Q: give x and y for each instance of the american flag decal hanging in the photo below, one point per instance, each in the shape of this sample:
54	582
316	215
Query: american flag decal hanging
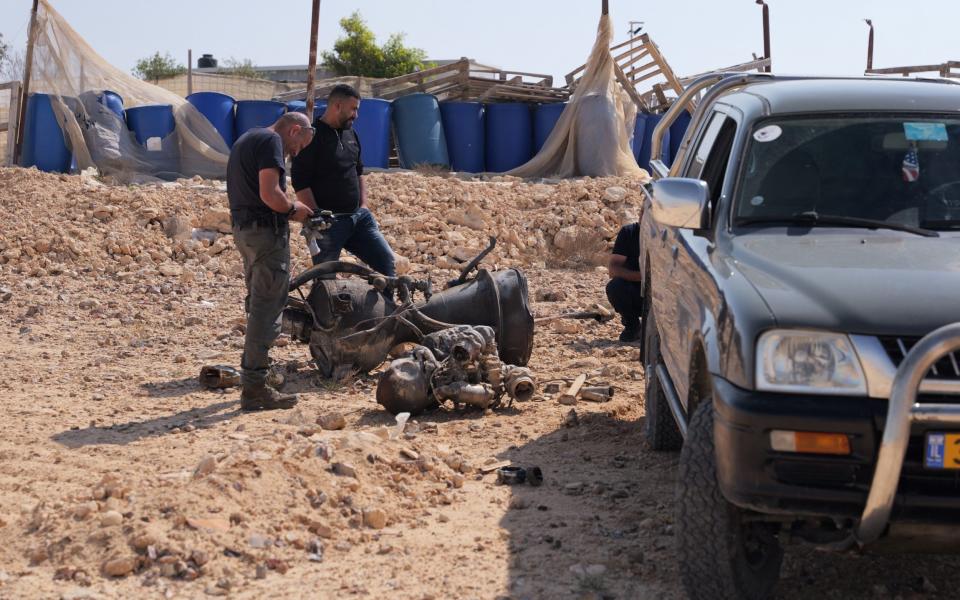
911	165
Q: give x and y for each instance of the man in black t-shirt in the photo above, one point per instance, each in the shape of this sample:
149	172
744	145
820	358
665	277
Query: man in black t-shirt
328	175
624	289
259	210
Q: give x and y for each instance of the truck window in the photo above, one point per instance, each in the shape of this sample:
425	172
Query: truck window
713	154
705	144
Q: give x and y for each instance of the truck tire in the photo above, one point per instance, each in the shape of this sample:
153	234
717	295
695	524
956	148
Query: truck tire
661	430
721	555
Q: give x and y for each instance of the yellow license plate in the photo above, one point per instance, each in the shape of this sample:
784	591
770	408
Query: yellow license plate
942	451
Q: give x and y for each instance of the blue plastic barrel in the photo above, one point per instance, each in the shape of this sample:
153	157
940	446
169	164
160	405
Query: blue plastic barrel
463	129
545	117
639	129
509	136
218	109
677	129
113	101
257	113
643	155
301	106
419	129
373	129
152	121
44	145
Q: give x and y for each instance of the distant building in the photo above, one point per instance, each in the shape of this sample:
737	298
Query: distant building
298	73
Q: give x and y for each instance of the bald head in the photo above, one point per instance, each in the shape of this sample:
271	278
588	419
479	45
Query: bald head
294	130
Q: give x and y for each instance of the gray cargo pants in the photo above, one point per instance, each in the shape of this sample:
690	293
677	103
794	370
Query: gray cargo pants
266	271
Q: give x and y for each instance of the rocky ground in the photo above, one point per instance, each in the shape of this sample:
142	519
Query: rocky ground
122	477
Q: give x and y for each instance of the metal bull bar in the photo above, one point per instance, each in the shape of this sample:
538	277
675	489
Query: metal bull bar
902	411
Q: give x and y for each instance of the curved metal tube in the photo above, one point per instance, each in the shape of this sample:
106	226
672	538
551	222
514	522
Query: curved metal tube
896	432
330	268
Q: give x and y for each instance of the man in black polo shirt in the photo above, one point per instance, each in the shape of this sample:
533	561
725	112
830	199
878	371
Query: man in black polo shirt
624	289
328	175
259	210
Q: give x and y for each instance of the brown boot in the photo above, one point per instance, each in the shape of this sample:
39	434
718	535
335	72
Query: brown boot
264	397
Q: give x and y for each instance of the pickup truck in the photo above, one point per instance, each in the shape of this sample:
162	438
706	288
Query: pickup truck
801	277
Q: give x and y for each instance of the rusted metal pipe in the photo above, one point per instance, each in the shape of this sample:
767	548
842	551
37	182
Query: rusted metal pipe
766	34
869	45
312	63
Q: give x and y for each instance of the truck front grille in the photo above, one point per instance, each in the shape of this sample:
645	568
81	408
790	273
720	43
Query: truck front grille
897	348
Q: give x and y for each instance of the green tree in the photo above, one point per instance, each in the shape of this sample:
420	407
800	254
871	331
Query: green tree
357	53
240	68
158	67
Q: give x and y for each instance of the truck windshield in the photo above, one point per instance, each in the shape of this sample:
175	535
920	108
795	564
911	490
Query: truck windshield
857	170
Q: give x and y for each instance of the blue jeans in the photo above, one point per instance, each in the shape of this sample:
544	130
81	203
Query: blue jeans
360	235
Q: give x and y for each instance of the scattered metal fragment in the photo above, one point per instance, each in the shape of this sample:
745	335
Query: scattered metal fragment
511	475
219	377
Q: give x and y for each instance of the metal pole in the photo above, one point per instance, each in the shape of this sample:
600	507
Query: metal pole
766	34
189	71
312	66
605	9
28	68
869	45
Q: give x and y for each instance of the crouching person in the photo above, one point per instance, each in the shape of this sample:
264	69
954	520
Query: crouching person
624	290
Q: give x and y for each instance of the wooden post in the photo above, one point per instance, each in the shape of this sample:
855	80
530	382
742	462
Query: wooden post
312	64
28	67
766	33
189	71
869	45
605	9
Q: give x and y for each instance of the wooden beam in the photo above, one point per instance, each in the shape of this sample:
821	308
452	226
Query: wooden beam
28	68
13	124
189	71
628	87
312	62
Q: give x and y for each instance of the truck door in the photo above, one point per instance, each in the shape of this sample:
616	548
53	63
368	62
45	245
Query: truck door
696	295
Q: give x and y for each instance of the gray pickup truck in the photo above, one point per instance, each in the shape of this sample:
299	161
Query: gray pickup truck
801	261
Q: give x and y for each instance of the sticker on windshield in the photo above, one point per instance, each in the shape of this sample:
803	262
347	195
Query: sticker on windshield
768	133
756	200
925	132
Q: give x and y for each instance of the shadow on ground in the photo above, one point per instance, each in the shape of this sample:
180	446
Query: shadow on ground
125	433
598	526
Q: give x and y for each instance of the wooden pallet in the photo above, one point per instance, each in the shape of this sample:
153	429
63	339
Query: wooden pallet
946	69
465	80
636	61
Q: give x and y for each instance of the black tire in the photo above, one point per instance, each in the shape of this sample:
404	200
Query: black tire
721	556
661	429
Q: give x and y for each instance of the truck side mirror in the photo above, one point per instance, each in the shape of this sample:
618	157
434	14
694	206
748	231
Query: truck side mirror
680	202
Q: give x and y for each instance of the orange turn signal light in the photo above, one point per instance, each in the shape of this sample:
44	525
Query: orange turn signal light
810	442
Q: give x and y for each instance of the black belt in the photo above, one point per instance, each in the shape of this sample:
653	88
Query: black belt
244	219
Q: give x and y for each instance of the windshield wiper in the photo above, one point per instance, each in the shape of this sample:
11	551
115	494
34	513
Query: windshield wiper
812	217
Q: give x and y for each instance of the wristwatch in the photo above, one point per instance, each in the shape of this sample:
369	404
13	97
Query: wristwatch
293	209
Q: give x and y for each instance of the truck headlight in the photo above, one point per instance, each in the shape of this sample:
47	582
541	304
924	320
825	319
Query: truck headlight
813	362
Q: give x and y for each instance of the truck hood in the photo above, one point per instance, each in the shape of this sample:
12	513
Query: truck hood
866	282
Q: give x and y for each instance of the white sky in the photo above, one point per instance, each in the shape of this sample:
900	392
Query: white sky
543	36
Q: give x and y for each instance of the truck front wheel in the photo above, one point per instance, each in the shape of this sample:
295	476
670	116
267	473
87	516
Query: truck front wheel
722	555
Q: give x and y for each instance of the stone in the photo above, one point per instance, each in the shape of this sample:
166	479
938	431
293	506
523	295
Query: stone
206	466
258	540
169	269
344	469
587	363
119	567
375	518
178	228
85	510
568	237
111	518
216	219
89	303
324	450
614	195
332	421
79	593
566	326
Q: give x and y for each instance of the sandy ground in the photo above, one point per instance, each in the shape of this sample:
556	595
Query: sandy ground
114	460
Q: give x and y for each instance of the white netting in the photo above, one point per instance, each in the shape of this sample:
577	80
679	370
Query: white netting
68	69
592	136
